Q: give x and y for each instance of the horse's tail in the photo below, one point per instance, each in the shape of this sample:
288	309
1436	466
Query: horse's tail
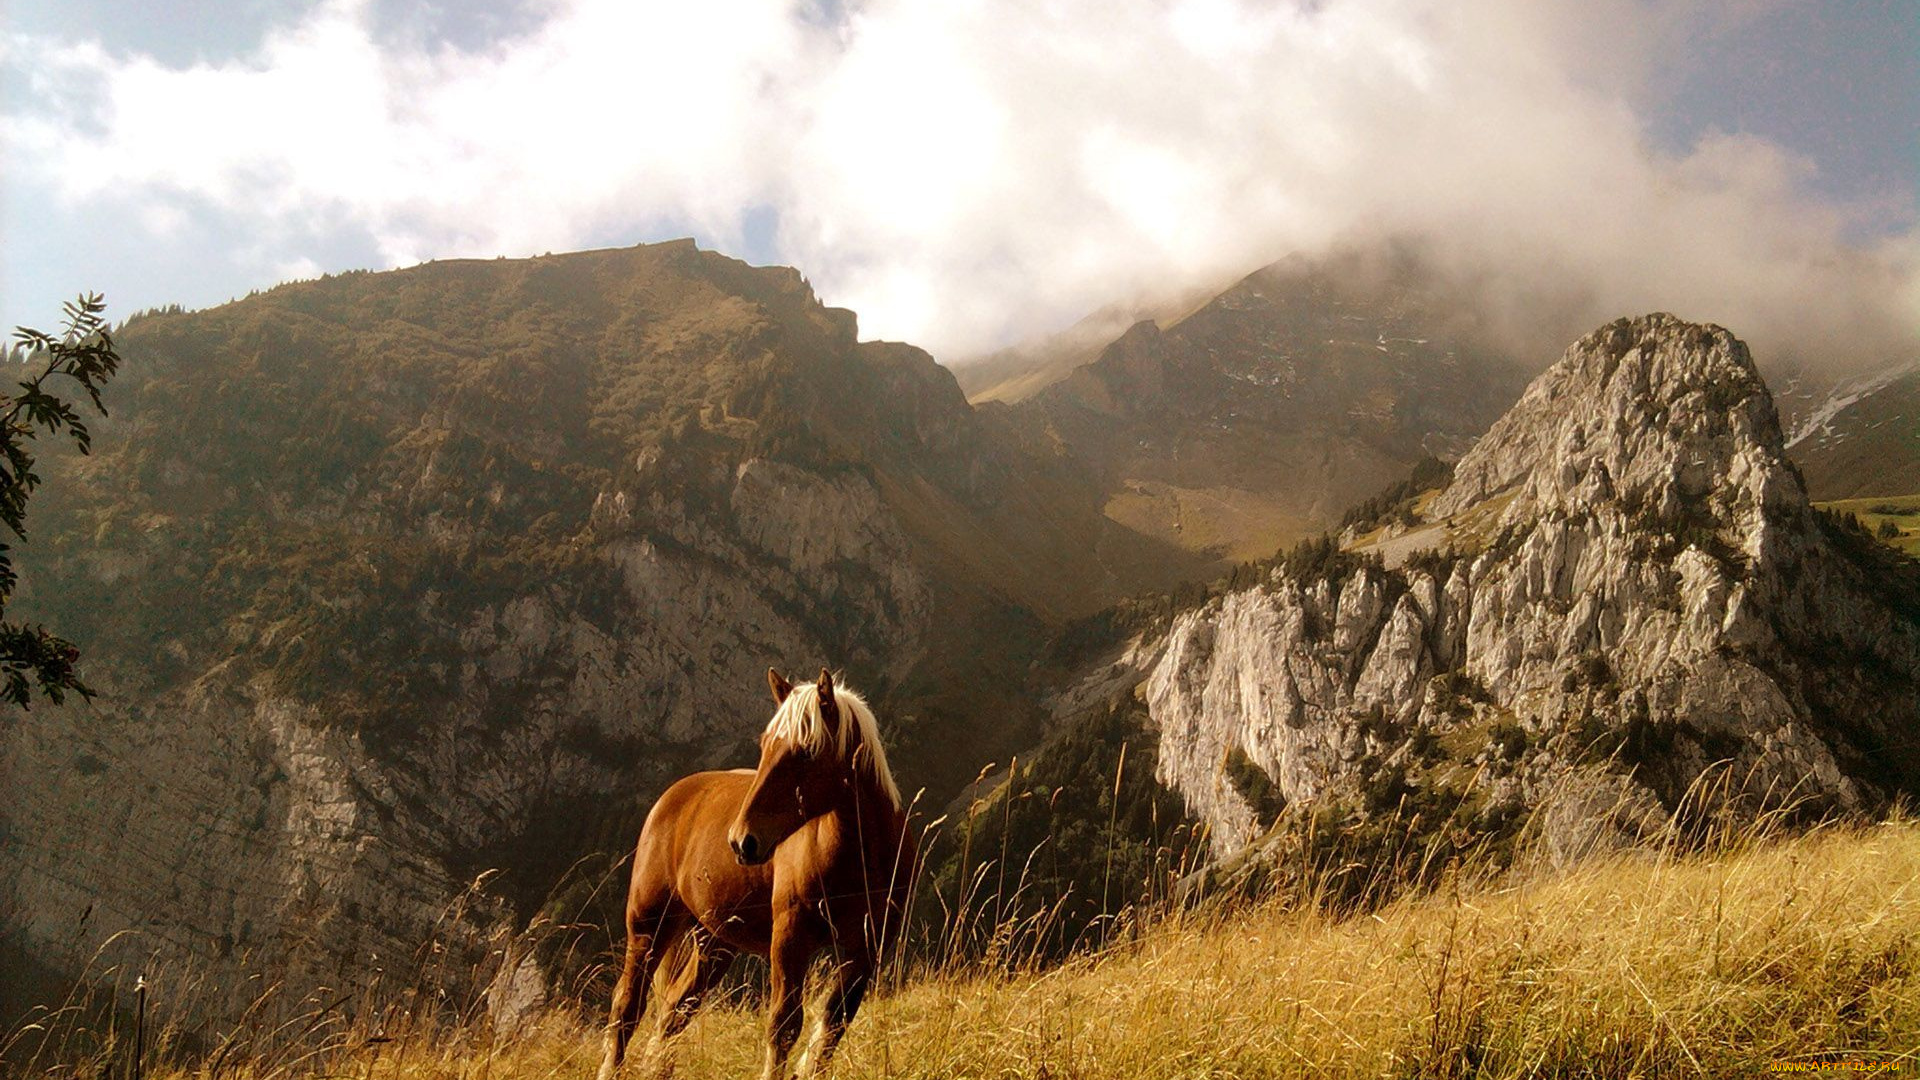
675	962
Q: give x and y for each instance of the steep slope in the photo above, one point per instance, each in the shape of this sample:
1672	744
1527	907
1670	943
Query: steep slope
1263	415
1861	437
1019	372
390	579
1622	590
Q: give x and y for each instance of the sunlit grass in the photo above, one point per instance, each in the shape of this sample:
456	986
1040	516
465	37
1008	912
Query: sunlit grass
1788	950
1877	513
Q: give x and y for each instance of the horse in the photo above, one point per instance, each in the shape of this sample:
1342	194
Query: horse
809	851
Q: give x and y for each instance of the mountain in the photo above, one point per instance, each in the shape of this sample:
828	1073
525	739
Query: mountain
1266	413
1620	612
1859	437
390	579
1016	373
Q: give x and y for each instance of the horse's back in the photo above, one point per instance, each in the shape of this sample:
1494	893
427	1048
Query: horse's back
701	802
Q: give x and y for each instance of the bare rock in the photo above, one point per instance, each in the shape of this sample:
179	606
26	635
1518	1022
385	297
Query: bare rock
1657	608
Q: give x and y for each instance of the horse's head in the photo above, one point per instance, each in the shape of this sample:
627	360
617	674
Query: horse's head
803	767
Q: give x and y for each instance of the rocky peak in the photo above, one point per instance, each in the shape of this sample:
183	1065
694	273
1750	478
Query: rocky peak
1129	376
1623	590
1666	417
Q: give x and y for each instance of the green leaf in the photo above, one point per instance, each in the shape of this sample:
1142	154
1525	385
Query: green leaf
33	660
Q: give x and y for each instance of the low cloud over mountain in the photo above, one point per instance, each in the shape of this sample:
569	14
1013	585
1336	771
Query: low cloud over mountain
969	175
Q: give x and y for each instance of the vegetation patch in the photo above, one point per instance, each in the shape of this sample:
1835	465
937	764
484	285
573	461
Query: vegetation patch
1888	568
1316	559
1253	784
1396	505
1048	860
1895	520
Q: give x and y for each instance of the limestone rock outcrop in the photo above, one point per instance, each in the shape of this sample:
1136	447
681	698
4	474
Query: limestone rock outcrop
1622	590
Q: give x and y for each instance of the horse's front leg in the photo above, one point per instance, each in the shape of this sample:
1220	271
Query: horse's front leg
792	947
852	974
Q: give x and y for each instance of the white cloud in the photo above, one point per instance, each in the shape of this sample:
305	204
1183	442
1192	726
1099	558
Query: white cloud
963	173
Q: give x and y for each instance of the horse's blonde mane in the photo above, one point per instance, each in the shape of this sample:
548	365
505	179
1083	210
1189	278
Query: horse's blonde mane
799	720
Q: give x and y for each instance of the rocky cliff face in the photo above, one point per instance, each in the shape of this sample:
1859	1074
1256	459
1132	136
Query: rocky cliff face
390	580
1622	586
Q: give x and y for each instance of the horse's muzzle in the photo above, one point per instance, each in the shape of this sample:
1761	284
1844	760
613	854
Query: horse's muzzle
747	850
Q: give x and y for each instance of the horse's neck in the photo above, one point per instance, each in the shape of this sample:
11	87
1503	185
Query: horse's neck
871	801
867	815
866	789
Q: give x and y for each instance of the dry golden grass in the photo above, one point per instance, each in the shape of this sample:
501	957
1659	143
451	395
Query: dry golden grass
1229	523
1800	951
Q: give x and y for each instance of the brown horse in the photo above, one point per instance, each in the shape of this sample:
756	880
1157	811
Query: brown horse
807	852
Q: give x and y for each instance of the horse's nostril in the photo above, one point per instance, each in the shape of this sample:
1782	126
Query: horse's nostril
747	846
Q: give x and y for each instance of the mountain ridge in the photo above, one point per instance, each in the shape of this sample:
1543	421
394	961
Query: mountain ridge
1267	410
1861	437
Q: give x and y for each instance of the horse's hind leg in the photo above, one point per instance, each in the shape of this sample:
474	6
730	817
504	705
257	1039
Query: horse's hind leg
706	960
651	928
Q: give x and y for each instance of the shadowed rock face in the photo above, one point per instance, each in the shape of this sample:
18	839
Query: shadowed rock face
1646	592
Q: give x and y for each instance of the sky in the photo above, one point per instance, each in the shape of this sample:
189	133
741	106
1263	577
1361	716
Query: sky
966	175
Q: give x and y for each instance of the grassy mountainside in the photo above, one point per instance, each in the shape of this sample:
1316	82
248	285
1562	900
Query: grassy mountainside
1263	415
1767	955
1796	952
318	482
1862	438
1892	519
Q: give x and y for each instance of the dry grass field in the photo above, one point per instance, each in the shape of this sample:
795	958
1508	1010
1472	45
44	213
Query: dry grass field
1785	954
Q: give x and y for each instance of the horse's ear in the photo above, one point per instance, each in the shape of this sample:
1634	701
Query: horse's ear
780	687
828	710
